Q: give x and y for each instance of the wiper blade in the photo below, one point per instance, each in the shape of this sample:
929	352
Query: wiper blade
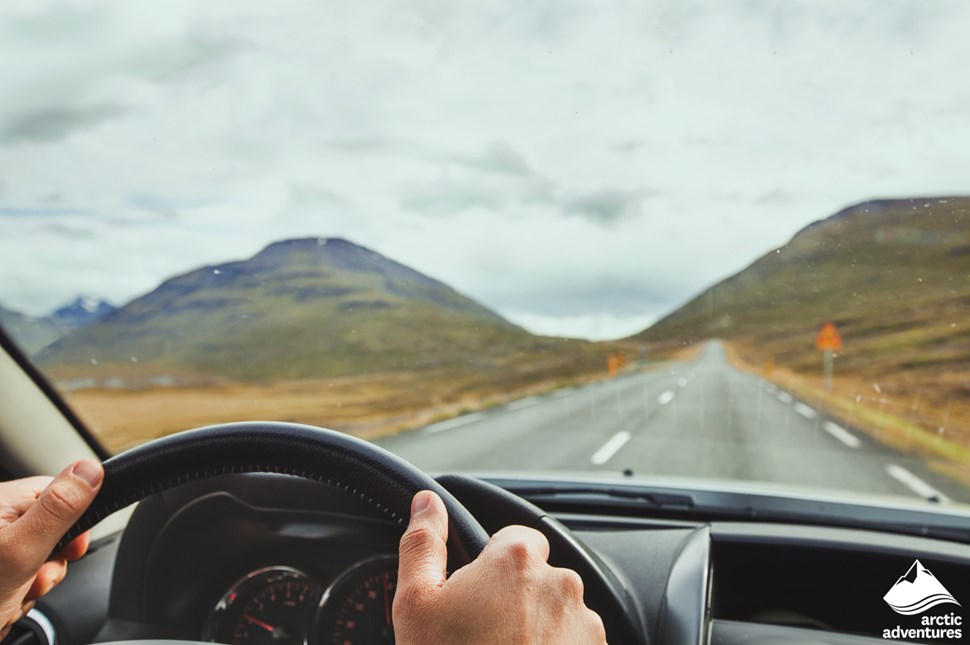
659	500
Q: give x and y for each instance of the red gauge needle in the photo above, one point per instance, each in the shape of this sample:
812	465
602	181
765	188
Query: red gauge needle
387	600
259	623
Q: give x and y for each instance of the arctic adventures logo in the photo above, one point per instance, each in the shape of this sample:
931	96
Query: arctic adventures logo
915	593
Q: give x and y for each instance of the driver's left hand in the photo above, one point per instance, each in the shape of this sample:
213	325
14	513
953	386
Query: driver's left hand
34	513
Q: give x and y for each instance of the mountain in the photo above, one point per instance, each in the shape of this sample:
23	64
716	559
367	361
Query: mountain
31	333
893	275
298	309
81	311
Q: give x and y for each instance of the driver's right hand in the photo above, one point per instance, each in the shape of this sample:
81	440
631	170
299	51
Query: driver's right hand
509	594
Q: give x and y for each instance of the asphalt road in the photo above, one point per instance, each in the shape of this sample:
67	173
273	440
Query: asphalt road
699	418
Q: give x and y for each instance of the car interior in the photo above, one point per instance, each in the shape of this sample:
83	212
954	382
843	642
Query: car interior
659	566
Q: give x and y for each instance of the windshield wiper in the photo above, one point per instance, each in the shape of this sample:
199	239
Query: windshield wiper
656	500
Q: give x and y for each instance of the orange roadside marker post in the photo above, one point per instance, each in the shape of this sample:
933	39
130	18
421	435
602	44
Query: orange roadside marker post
828	341
613	364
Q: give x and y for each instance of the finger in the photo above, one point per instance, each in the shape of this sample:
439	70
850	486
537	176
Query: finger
76	547
519	543
19	494
423	552
57	508
48	576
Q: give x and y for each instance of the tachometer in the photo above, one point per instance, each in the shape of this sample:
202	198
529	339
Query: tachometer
272	605
356	609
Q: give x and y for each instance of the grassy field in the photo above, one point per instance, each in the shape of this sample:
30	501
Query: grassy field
367	406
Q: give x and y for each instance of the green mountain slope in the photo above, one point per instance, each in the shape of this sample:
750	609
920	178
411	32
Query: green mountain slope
299	309
893	275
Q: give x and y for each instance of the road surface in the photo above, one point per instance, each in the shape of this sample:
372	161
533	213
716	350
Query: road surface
699	418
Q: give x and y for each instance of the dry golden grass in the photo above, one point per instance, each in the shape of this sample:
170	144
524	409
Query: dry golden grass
366	406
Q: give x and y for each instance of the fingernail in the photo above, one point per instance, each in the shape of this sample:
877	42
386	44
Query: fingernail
421	502
89	471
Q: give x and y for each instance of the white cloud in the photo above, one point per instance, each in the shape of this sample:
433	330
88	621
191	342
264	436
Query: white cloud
582	167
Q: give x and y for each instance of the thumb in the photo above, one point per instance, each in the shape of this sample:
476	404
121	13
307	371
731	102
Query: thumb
57	509
423	552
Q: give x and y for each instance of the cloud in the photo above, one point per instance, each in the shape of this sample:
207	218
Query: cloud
606	206
499	157
51	124
631	146
448	198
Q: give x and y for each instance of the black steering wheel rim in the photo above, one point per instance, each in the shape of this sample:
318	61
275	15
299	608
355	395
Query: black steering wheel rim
369	472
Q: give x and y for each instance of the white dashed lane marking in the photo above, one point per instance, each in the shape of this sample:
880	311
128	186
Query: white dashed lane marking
665	398
842	434
609	448
805	411
784	397
914	483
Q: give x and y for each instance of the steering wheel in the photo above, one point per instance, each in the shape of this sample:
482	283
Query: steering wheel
379	478
376	476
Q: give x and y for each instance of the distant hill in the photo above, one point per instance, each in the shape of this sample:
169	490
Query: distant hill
893	275
302	308
33	333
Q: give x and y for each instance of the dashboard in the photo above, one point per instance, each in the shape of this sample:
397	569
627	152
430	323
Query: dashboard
244	559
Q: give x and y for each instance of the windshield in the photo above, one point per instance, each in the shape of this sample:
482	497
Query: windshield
692	240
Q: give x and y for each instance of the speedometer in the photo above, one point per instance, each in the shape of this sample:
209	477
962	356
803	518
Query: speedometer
356	609
272	605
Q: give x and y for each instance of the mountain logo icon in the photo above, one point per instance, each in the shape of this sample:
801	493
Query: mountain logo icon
917	591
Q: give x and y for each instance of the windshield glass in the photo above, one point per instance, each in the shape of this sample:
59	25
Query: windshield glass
694	240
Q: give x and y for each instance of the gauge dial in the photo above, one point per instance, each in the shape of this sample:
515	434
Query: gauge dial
273	605
356	609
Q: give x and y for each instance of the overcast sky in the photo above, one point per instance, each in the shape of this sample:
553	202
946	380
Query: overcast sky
582	167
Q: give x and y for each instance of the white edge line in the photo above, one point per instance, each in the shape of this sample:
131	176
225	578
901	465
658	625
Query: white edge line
914	483
842	434
453	423
609	448
522	403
